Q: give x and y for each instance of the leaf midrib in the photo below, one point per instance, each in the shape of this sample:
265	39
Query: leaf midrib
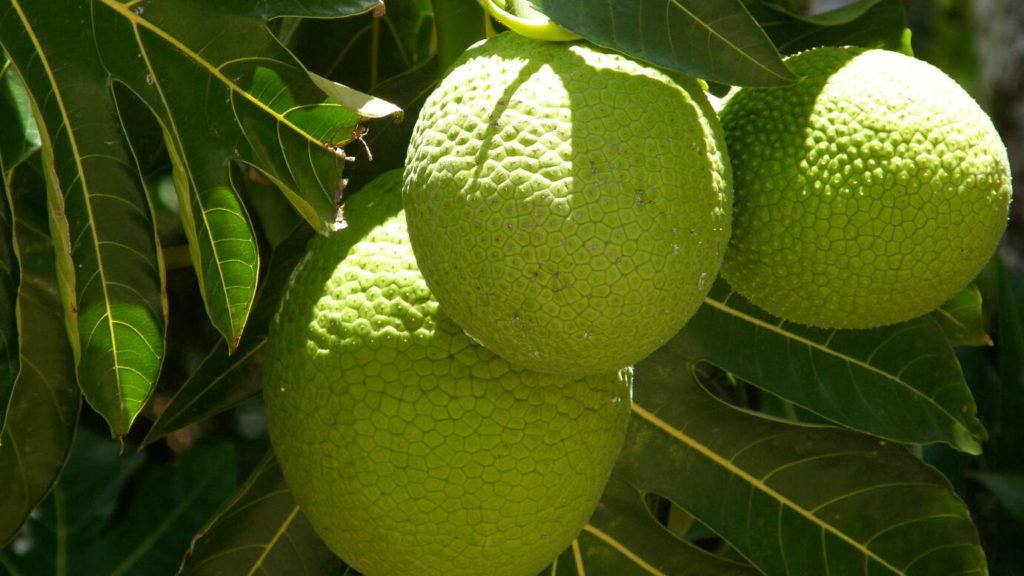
758	484
725	41
73	142
722	306
137	21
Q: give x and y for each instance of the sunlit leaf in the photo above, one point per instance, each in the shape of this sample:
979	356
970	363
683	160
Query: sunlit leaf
717	41
961	319
44	399
19	136
792	499
260	530
262	108
868	23
226	380
108	261
900	382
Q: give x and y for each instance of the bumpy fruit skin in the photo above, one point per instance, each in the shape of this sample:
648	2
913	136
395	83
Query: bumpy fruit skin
412	450
569	207
867	194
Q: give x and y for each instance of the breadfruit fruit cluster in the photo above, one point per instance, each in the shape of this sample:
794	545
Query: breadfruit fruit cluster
448	380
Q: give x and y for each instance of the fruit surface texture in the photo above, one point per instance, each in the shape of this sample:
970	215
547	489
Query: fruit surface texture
413	450
867	194
569	207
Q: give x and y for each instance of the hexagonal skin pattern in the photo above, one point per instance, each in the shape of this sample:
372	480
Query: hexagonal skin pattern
568	206
413	450
867	194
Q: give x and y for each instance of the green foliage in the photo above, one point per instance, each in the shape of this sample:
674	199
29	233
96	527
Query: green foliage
755	447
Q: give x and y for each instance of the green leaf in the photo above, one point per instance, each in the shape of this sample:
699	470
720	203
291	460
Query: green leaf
225	380
717	41
365	50
19	136
961	319
44	399
170	503
792	499
124	515
80	507
261	107
108	260
260	530
623	539
868	23
390	56
899	382
1005	403
8	311
1008	488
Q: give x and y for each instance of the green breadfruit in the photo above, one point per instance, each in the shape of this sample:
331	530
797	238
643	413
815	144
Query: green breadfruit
412	449
569	207
869	193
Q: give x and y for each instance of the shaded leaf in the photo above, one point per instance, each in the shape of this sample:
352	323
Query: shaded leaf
622	538
961	319
899	382
868	23
260	530
1008	488
8	299
225	380
409	90
72	518
365	50
108	260
169	504
792	499
44	398
1005	403
717	41
124	515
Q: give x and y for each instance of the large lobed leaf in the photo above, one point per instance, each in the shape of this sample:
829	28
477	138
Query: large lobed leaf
899	382
623	538
260	530
793	499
